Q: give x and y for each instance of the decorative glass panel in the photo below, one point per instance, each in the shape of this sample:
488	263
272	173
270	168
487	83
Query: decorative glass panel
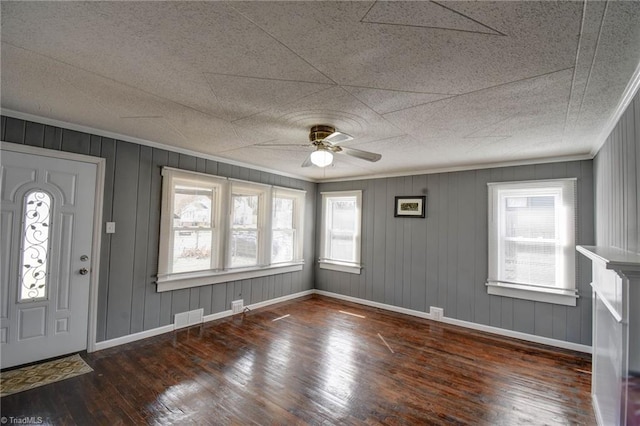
35	245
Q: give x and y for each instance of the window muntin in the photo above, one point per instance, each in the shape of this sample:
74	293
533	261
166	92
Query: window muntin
36	229
341	229
532	236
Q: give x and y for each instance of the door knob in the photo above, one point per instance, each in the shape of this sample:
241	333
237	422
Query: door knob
83	271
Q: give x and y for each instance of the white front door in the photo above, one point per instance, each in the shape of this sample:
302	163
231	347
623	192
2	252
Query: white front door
46	229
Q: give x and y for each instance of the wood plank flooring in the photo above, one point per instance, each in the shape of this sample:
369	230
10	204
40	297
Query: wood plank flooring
327	362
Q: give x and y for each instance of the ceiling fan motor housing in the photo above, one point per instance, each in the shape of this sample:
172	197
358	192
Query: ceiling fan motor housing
320	132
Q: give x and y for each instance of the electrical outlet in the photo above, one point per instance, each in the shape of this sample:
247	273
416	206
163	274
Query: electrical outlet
436	313
237	306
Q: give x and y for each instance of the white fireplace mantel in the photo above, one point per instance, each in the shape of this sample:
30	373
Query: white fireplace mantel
616	334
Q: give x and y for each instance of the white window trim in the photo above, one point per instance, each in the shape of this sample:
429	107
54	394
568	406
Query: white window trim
336	265
565	295
218	274
200	278
298	219
264	219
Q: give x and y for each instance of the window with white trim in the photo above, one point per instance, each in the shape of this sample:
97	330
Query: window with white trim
248	205
341	231
532	231
190	237
215	229
286	225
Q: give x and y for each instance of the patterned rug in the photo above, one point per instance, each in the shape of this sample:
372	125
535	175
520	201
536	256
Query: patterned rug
25	378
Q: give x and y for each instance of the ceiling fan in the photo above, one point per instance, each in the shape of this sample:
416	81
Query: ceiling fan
326	141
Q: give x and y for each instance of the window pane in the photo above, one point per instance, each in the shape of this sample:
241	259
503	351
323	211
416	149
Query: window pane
343	214
283	213
530	262
192	221
244	248
192	207
342	246
191	250
245	211
530	217
282	246
35	245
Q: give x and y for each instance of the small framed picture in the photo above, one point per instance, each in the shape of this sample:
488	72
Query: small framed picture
406	206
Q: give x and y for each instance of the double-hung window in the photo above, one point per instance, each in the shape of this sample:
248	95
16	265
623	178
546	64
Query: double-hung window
215	229
248	205
286	225
191	223
532	240
341	231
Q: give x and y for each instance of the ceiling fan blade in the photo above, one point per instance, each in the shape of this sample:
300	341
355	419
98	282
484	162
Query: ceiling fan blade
307	162
363	155
280	145
337	138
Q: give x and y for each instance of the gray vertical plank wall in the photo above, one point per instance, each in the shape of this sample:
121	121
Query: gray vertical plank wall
442	260
127	299
617	183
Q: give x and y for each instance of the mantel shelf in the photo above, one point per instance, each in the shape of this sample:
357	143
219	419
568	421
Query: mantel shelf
612	258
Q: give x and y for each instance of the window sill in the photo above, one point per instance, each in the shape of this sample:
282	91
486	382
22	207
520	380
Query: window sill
350	268
518	291
197	279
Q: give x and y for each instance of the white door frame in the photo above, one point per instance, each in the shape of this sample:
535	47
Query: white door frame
97	223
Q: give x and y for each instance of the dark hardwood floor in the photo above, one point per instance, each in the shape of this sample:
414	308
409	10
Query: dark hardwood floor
320	365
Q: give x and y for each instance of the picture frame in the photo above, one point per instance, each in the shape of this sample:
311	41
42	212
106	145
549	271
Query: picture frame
410	206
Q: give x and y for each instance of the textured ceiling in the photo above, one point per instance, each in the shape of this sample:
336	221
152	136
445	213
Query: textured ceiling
429	85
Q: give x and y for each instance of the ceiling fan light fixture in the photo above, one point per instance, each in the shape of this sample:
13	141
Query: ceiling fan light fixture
321	158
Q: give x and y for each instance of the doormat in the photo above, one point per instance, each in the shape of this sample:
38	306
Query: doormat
33	376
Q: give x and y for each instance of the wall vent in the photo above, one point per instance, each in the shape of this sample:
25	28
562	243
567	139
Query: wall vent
185	319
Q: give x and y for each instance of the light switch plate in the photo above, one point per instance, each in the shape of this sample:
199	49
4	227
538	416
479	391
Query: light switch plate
111	228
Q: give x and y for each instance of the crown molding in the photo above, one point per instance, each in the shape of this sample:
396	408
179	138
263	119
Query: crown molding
118	136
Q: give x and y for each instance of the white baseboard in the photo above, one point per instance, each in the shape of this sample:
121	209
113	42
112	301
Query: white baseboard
519	335
217	316
375	304
132	337
466	324
171	327
281	299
